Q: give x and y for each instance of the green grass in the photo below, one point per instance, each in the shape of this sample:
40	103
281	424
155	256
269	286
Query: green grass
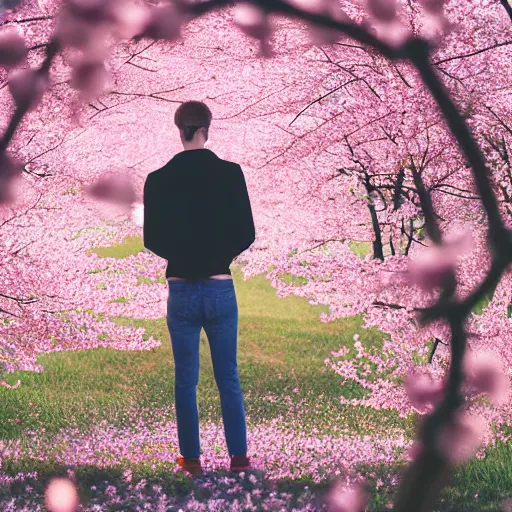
130	245
361	249
142	280
282	346
78	233
489	479
478	485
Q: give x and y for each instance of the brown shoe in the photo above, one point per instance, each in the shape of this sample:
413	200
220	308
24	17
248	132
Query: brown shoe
239	463
191	466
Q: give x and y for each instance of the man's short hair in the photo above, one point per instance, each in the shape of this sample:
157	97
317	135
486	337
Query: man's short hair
190	116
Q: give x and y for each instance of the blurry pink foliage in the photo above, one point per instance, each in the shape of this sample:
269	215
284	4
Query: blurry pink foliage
310	201
346	499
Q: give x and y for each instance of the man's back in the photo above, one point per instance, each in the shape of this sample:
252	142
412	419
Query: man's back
197	214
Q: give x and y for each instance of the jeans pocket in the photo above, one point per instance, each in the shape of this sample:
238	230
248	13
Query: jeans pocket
179	303
225	303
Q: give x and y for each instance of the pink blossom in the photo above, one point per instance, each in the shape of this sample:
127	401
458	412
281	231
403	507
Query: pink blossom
131	19
61	496
27	87
343	499
431	267
10	386
12	48
127	475
461	438
163	22
423	391
507	505
10	173
93	11
89	77
485	374
115	188
321	35
251	20
434	6
44	5
74	31
382	10
393	33
435	23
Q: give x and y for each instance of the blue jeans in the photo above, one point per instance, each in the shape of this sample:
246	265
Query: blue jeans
211	304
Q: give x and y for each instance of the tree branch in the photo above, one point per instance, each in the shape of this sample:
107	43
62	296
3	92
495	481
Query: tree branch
507	7
471	54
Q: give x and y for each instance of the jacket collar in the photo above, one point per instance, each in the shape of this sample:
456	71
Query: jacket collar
195	152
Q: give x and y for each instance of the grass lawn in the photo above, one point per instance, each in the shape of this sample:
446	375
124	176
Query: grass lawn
282	347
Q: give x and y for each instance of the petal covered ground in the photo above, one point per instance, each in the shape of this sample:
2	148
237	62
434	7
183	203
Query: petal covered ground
278	456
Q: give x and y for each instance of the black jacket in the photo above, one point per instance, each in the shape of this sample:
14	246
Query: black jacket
197	214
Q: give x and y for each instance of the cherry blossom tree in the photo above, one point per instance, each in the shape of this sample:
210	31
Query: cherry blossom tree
401	138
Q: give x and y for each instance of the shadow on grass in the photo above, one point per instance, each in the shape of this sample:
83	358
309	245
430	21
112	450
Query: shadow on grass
479	485
95	485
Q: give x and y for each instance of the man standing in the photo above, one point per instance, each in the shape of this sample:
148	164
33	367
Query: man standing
197	216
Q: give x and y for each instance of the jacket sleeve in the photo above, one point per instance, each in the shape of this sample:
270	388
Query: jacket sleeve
153	219
243	222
